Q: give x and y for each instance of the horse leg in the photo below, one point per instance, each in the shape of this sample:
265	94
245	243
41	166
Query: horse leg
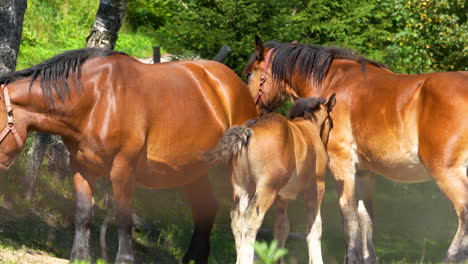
343	171
453	182
313	199
251	221
123	187
281	223
365	189
83	216
241	201
204	207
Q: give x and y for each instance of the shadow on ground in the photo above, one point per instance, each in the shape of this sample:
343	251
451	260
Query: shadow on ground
413	223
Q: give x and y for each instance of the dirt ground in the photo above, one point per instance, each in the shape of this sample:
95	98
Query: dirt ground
28	256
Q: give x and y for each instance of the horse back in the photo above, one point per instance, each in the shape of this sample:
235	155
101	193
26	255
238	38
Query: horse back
168	113
284	152
443	128
388	116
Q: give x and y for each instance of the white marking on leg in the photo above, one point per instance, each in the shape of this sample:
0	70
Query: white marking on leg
243	203
246	250
313	241
365	224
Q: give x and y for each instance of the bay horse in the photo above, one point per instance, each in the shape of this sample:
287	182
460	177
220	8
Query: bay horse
272	160
131	122
408	128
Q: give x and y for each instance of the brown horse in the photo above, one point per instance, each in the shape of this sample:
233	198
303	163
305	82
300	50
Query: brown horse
274	159
134	123
408	128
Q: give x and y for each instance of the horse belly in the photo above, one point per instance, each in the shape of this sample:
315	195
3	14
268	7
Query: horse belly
158	173
401	164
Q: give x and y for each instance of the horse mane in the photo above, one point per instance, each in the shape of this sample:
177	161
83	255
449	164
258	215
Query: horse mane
309	61
305	106
54	72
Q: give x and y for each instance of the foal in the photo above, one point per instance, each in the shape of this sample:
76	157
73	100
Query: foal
274	159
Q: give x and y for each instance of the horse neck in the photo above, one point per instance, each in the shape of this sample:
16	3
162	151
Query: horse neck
306	125
340	74
31	111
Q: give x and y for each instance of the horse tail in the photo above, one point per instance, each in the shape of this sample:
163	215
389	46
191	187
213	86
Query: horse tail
234	140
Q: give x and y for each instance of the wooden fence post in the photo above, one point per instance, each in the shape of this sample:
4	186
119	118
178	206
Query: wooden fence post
156	54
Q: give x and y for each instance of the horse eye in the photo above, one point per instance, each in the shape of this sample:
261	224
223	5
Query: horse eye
248	76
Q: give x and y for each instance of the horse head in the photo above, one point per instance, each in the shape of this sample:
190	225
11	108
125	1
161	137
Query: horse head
12	137
268	94
318	110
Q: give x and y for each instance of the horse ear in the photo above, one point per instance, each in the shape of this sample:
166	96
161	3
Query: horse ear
331	102
259	47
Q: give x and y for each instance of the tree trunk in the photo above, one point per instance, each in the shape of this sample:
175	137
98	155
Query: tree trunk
11	25
109	18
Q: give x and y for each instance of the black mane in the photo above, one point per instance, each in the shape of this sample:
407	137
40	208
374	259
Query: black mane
304	107
54	72
310	61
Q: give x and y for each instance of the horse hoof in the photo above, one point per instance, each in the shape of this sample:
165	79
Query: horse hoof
460	257
354	257
195	260
370	260
80	255
126	259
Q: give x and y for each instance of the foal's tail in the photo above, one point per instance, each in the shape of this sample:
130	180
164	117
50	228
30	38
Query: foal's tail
231	144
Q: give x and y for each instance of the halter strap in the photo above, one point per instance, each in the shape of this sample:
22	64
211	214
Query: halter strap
10	125
261	89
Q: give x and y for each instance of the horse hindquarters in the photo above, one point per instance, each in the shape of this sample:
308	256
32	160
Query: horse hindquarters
443	149
247	215
254	194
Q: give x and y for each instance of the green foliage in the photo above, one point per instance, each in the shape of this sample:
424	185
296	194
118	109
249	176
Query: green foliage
147	14
269	253
432	36
359	25
412	36
54	26
200	28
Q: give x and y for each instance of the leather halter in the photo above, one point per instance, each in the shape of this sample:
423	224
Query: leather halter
261	89
10	125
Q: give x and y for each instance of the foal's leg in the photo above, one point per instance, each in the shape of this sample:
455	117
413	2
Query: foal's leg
365	188
251	221
281	223
123	187
313	199
204	207
241	201
83	215
343	169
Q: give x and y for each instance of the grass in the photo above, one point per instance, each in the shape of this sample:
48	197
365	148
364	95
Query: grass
413	224
54	26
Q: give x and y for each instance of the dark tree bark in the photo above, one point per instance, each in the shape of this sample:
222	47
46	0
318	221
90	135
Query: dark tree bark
11	25
106	27
59	163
